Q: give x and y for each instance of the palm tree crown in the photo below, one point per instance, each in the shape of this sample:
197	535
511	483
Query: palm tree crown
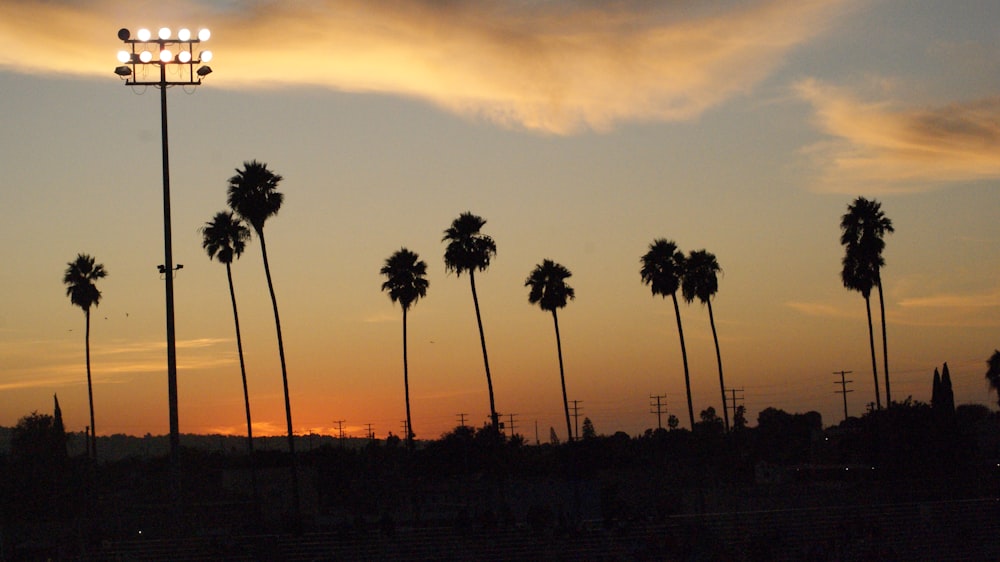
662	267
701	279
405	281
863	229
224	237
253	194
79	279
468	249
548	288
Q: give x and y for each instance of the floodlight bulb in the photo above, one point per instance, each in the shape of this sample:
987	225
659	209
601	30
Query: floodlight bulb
205	56
164	33
184	34
145	56
124	56
184	56
143	34
166	55
204	35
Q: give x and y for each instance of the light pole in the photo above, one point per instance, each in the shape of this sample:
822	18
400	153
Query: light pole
146	63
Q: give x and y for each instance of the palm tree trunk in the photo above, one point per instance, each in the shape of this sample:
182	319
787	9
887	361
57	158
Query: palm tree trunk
486	361
92	446
562	376
718	358
684	356
885	350
871	344
406	388
246	391
296	503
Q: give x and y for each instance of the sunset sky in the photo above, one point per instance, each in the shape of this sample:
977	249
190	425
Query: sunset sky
580	130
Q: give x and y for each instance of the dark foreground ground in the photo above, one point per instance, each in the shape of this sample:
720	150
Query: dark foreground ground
933	531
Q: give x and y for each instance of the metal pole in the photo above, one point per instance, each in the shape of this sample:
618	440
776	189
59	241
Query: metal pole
168	270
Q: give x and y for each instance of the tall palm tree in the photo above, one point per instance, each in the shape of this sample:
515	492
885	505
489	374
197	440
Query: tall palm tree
404	272
253	194
863	230
224	238
701	281
469	250
548	289
662	269
857	275
993	372
80	288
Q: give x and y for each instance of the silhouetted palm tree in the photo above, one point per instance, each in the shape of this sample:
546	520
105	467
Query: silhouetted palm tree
863	230
701	281
225	238
81	290
857	275
470	250
550	292
993	373
406	284
253	194
662	269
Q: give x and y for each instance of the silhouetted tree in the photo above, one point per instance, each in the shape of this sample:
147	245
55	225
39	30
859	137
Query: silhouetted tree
662	269
253	194
550	292
80	288
701	281
858	276
672	422
863	230
469	250
404	272
224	238
993	372
588	430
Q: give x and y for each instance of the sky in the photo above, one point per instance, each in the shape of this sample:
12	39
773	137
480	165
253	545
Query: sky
580	130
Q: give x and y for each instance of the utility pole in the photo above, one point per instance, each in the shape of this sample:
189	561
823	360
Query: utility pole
511	417
733	398
576	418
371	434
659	408
461	419
843	387
406	429
340	430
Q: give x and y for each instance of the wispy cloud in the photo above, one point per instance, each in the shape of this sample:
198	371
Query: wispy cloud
952	300
555	67
887	149
821	309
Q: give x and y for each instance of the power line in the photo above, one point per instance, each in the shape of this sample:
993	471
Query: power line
659	409
843	387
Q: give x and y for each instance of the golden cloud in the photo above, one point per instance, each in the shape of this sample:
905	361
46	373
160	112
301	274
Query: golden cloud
878	148
555	67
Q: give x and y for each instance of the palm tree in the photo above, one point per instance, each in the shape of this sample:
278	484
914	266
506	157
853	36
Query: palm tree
406	284
550	292
80	288
863	230
662	269
993	372
253	194
469	250
857	275
225	238
701	281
